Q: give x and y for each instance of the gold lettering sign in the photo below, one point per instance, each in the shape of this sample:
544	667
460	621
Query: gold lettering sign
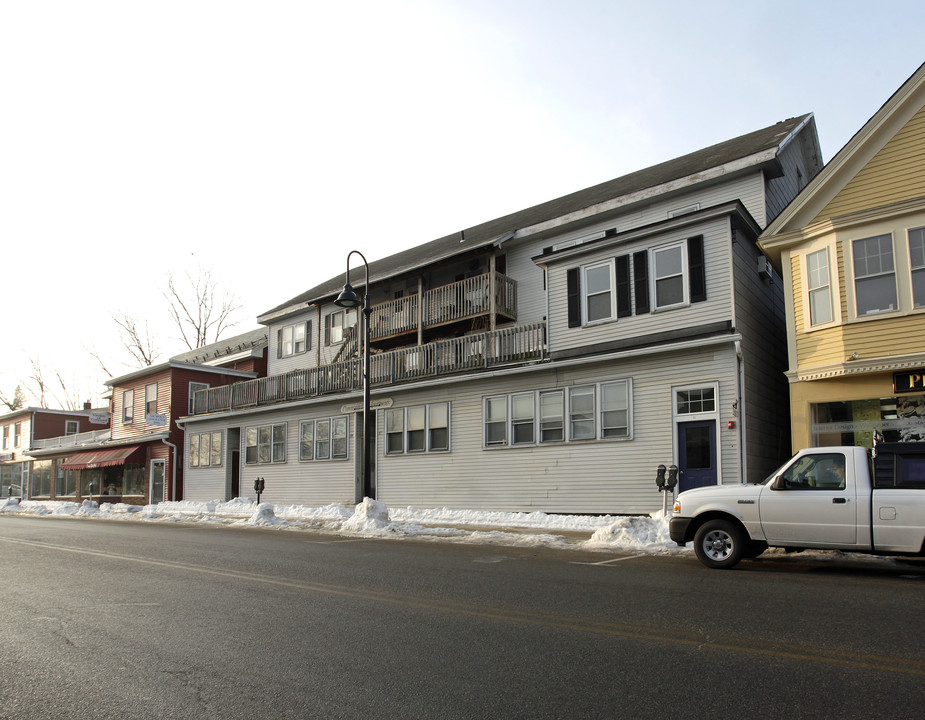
912	381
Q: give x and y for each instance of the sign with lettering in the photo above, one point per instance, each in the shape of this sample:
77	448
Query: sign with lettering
99	418
373	405
909	381
157	419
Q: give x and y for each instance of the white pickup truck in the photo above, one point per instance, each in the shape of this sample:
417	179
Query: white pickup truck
835	498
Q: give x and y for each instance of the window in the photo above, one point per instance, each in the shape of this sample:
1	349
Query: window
418	429
598	284
917	264
552	416
496	420
128	409
71	427
65	483
668	275
17	435
615	409
522	414
195	387
41	478
265	444
697	400
818	284
205	449
323	439
6	437
874	279
599	411
294	339
815	472
581	413
334	328
151	399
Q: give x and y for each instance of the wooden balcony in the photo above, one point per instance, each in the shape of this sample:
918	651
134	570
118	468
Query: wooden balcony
517	344
457	302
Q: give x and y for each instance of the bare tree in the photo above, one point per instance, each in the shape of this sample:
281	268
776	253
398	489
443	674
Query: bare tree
37	387
200	315
17	401
139	343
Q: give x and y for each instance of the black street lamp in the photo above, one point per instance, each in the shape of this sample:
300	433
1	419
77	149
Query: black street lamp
349	299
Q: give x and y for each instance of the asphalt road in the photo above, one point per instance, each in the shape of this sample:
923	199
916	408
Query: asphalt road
130	620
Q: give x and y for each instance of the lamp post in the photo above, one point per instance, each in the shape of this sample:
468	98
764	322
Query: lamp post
349	299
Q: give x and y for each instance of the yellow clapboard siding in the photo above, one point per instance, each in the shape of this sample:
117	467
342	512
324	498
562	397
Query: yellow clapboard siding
895	173
869	339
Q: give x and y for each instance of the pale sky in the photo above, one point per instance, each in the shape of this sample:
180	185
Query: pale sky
265	140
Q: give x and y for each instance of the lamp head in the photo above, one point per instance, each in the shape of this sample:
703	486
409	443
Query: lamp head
348	297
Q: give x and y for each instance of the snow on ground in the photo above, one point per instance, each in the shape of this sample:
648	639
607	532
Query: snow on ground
372	518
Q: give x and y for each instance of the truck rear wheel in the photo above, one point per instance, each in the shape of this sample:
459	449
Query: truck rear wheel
719	544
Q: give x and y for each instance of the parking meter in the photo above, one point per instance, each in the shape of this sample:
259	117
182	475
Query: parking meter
672	477
660	477
259	485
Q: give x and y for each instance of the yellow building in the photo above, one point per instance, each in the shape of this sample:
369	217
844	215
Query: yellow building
851	250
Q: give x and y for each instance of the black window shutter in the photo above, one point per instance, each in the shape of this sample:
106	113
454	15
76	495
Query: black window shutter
624	295
308	335
327	330
696	269
573	280
641	281
279	343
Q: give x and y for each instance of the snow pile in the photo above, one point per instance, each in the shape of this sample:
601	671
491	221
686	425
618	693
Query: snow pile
369	517
644	533
372	518
265	517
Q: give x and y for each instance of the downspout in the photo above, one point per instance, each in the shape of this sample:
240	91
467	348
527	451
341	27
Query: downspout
740	365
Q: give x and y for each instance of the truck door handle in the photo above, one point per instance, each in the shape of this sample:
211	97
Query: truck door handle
839	501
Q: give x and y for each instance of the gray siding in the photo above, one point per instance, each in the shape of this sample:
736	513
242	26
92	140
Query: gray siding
601	476
717	307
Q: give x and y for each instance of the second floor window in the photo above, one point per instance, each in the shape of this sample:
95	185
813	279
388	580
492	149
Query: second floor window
917	264
334	327
128	406
598	283
6	437
71	427
819	286
151	398
668	276
17	435
294	339
195	387
874	275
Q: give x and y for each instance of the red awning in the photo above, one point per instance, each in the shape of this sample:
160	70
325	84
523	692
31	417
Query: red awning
100	458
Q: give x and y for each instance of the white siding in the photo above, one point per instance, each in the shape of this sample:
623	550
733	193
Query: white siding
613	476
315	483
716	308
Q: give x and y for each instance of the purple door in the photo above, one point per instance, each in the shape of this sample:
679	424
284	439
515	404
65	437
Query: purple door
696	454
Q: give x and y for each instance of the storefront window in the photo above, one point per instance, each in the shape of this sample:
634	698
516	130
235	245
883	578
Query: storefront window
855	422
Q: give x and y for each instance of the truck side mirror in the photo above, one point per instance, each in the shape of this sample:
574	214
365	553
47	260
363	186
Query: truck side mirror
778	483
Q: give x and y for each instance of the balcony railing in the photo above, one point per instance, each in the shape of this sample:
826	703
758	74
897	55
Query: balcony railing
457	301
66	441
521	343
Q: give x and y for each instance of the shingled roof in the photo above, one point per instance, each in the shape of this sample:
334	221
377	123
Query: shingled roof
715	156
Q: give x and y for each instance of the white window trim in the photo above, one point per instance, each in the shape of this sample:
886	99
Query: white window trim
834	288
913	269
192	390
852	281
693	417
609	264
567	437
271	460
685	278
128	419
331	457
428	447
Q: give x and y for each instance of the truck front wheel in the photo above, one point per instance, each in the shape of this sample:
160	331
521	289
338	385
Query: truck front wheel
719	544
